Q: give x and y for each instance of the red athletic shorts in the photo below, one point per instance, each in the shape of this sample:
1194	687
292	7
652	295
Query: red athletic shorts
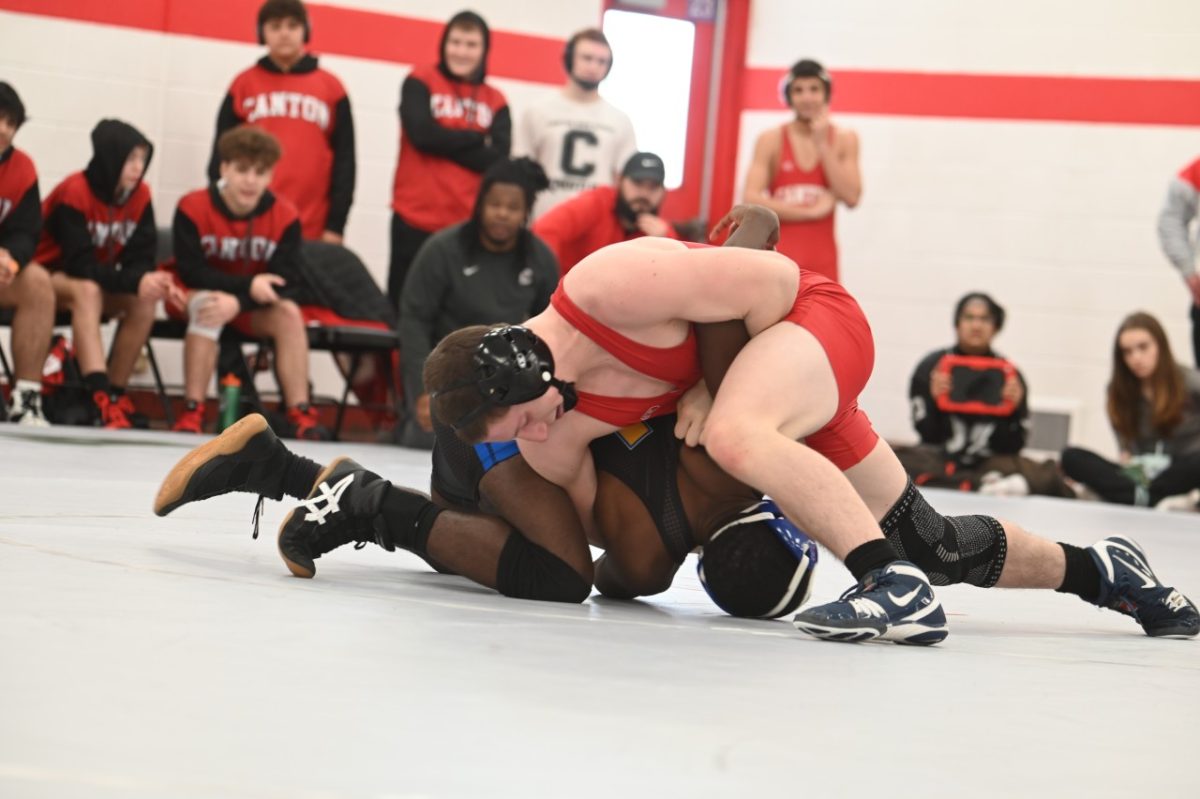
824	309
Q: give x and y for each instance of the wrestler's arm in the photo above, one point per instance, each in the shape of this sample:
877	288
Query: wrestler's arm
635	562
540	510
565	460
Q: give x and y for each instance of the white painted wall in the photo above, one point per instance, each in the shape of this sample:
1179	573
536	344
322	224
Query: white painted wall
1055	220
71	74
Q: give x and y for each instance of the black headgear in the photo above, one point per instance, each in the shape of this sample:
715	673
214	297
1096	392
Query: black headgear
759	565
279	9
512	365
994	308
806	68
569	51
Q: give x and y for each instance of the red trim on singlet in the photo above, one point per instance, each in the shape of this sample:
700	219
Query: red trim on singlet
678	365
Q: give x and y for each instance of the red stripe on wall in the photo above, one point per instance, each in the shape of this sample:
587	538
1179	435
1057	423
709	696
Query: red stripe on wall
335	31
1130	101
407	40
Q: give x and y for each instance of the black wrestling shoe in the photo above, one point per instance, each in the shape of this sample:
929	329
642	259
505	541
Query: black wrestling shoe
344	506
1128	585
246	457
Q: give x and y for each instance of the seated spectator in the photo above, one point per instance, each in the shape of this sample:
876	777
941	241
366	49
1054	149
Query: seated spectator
453	126
237	250
24	286
488	269
98	241
971	415
577	227
1180	244
1154	408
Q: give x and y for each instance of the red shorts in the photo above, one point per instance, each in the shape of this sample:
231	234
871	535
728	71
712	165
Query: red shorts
826	310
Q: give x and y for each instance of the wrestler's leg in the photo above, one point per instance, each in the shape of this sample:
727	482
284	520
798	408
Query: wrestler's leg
779	389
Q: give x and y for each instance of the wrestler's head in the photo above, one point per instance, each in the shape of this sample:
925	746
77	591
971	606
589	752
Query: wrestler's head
807	88
496	384
758	564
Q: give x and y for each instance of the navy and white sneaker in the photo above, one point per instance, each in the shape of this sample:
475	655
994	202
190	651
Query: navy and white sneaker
895	603
1128	585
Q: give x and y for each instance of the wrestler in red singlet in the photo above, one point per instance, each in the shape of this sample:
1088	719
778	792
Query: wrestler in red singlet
810	244
822	307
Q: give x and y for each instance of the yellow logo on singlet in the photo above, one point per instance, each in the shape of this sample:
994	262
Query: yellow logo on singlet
633	434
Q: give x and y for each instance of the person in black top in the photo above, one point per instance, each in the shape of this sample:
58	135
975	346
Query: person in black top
959	446
488	269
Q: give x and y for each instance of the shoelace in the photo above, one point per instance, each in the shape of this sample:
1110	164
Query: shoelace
254	519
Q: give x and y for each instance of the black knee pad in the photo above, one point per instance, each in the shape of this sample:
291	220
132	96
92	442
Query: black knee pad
950	549
528	571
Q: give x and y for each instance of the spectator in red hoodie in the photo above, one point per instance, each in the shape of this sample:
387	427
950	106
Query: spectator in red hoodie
595	218
453	126
288	95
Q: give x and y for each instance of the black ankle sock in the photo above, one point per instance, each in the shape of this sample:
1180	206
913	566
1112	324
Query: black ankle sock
1082	577
96	381
409	517
116	391
299	475
871	556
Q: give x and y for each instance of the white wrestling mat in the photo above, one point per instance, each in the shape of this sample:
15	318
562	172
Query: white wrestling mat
169	658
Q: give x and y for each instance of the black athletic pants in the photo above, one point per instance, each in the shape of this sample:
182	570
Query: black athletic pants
406	240
1113	485
1196	333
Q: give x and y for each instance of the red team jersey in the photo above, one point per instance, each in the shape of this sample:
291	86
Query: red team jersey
576	228
810	244
431	192
1190	174
111	227
20	216
300	108
216	250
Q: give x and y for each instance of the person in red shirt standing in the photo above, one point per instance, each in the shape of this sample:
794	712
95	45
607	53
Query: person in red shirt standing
576	228
453	126
237	249
802	171
24	286
306	108
99	243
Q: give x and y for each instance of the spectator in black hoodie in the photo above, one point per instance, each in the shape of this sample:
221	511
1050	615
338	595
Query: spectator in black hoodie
453	126
99	241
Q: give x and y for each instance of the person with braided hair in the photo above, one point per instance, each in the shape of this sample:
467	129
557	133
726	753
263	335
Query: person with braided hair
488	269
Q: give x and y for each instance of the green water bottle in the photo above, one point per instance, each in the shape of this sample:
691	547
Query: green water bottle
230	400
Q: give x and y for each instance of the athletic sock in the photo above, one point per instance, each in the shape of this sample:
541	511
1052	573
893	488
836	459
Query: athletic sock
96	381
409	517
299	475
871	556
1082	577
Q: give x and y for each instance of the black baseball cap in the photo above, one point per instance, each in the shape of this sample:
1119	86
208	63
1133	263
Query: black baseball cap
645	166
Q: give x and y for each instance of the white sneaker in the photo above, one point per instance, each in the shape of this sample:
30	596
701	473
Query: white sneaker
1180	502
26	409
1015	485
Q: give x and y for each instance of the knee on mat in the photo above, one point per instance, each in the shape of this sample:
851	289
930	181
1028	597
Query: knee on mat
528	571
